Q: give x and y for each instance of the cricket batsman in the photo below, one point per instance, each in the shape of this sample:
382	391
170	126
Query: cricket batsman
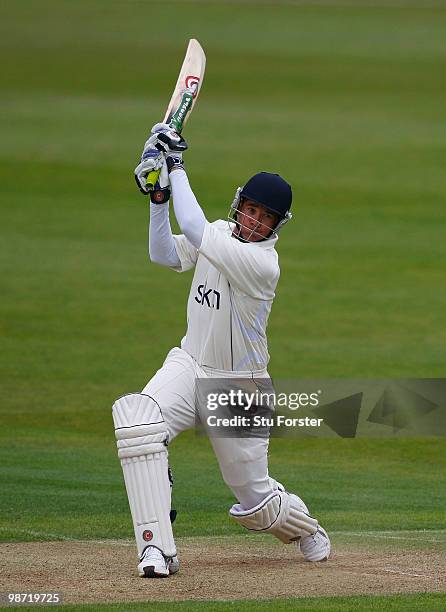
236	274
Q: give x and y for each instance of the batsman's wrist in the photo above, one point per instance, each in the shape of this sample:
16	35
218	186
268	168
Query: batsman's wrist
160	195
174	162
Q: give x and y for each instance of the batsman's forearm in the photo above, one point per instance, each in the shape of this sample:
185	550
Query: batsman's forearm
161	243
188	212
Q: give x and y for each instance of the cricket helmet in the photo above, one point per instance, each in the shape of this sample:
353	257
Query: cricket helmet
269	190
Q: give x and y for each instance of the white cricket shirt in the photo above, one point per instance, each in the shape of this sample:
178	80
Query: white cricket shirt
230	298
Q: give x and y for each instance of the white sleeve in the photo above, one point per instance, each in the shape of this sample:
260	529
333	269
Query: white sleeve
161	242
188	212
186	252
167	249
251	269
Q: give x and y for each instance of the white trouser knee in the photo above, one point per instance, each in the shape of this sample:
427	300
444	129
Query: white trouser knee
141	435
282	514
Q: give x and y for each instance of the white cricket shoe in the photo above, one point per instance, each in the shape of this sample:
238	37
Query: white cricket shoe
316	547
154	564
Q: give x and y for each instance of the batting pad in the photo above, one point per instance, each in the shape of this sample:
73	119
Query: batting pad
281	513
141	435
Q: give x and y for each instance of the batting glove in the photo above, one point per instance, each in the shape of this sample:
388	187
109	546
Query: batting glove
174	161
161	193
151	159
167	140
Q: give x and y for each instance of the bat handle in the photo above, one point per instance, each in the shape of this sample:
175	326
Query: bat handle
176	123
152	178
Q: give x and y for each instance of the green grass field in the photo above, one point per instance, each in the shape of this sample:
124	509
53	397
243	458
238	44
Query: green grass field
347	102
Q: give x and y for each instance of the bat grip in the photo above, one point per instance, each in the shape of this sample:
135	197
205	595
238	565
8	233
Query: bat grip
152	178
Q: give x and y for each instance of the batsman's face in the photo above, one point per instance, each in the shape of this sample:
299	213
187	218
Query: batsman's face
256	221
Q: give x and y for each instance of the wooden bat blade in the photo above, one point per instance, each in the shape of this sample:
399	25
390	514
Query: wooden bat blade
190	78
184	95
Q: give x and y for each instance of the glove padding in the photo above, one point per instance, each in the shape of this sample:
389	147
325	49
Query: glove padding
161	192
152	159
143	169
166	139
162	142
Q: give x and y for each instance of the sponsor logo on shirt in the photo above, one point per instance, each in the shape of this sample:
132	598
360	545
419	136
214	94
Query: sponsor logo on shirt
208	297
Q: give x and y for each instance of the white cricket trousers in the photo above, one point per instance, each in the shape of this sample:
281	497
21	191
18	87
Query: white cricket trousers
243	461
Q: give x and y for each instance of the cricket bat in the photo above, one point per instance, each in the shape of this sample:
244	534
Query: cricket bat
184	95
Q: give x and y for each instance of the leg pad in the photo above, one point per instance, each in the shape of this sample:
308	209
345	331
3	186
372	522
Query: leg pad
281	513
141	435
